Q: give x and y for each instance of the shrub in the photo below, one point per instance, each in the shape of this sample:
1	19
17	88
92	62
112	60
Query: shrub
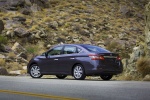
12	66
2	62
3	71
3	40
143	66
11	55
23	72
31	50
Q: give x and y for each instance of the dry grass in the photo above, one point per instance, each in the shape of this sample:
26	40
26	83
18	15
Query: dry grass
11	55
23	72
126	77
12	66
2	62
143	66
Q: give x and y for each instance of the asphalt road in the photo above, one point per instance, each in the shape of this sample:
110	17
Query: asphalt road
26	88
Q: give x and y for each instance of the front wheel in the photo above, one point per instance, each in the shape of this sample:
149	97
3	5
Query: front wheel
106	77
35	71
78	72
61	76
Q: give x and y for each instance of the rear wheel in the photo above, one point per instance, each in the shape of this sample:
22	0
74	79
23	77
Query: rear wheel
78	72
35	71
61	76
106	77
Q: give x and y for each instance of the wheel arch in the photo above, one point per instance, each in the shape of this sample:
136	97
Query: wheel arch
74	66
29	66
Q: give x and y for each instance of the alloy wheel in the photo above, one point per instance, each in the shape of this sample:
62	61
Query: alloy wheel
35	71
78	72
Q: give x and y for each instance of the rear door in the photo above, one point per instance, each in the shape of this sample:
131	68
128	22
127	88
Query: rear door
68	58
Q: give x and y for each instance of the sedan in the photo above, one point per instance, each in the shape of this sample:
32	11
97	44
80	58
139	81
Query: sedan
78	60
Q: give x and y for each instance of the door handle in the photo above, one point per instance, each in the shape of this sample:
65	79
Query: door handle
55	59
72	58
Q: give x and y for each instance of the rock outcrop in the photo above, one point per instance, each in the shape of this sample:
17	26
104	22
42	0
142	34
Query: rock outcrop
147	29
140	53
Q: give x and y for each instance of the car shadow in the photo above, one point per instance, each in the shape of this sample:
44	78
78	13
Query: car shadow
95	79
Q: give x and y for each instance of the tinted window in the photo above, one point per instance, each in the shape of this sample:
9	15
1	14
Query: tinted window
70	50
94	48
78	50
55	51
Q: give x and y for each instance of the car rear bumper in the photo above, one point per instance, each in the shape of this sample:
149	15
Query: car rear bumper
104	71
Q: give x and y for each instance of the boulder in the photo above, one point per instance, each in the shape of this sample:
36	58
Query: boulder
12	5
23	55
18	48
26	11
3	71
15	3
28	2
75	39
1	26
147	78
35	8
3	3
53	25
2	56
137	53
21	32
19	18
125	11
10	24
9	33
17	72
40	3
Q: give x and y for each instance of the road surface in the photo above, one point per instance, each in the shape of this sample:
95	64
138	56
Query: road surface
26	88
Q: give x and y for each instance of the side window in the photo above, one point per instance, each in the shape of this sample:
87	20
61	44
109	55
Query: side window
78	50
70	49
55	51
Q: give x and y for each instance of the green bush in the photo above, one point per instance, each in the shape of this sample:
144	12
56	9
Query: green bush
3	40
31	50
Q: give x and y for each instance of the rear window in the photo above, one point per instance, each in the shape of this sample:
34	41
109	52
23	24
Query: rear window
95	49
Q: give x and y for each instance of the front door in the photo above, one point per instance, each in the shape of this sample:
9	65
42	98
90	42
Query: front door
52	60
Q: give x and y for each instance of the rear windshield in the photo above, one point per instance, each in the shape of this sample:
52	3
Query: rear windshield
96	49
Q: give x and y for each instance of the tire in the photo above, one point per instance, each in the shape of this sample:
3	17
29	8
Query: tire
61	76
35	71
106	77
78	72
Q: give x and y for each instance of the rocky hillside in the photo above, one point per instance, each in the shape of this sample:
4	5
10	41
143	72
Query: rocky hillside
29	27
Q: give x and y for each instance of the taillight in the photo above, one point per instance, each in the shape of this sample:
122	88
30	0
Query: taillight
96	57
118	58
102	58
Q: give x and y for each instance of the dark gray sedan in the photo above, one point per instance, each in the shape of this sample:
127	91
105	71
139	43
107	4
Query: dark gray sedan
78	60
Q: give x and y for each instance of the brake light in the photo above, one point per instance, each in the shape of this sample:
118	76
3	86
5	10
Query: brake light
96	57
118	58
102	58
